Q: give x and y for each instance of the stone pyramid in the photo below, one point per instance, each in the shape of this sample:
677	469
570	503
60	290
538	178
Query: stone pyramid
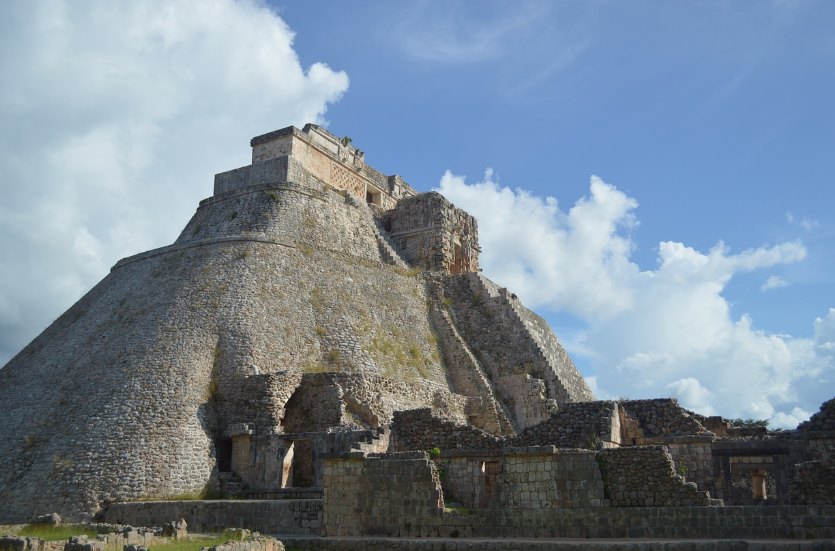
310	294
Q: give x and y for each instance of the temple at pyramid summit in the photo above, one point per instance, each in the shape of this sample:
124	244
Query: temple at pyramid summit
319	341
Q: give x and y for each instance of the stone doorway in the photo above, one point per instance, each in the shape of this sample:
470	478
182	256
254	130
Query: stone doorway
223	454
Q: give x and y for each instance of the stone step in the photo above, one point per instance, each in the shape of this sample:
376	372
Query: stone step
284	493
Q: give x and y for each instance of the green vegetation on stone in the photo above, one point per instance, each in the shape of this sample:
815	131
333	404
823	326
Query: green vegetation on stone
749	423
55	533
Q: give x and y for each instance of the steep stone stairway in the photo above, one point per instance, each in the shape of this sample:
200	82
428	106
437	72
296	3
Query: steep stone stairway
387	249
466	374
559	371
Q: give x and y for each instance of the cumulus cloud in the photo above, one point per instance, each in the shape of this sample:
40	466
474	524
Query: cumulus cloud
578	242
666	331
115	117
774	282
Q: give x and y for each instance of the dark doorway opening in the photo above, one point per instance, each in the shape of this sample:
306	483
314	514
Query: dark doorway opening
304	468
223	453
457	259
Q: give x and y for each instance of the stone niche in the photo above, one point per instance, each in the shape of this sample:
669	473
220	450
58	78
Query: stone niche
433	234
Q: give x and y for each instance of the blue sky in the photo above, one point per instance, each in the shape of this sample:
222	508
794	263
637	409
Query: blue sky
653	177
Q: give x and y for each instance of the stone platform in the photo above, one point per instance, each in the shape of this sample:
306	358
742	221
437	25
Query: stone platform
444	544
288	519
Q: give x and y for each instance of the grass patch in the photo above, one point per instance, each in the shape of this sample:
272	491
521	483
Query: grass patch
408	272
274	196
401	357
66	531
313	366
320	331
56	533
458	509
333	356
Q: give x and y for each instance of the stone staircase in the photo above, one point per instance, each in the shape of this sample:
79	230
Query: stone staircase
387	249
371	443
230	484
466	374
538	331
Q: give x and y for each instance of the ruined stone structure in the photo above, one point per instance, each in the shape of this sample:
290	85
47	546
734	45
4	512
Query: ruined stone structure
304	303
316	329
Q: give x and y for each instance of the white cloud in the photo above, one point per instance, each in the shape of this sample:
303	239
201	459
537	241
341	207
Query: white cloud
578	243
825	334
115	117
660	332
692	395
451	35
790	419
808	224
774	282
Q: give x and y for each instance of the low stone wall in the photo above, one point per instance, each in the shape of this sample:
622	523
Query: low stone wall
522	478
661	417
775	522
419	430
20	543
256	544
381	496
577	425
645	477
284	516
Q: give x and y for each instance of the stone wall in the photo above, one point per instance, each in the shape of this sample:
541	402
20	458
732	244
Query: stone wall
420	430
589	425
384	496
645	477
814	483
693	458
431	233
521	478
823	420
579	425
306	213
660	417
821	446
280	516
324	156
400	496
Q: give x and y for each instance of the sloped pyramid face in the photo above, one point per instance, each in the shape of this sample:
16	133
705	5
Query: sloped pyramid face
277	310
